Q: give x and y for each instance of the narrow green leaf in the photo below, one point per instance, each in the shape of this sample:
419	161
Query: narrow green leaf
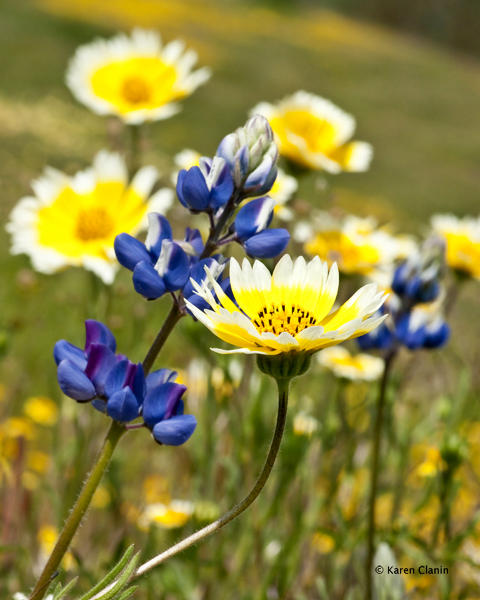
111	575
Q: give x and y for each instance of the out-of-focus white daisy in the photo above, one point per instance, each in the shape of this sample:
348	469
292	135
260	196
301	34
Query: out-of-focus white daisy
304	424
462	238
134	76
73	221
357	245
315	133
357	367
174	514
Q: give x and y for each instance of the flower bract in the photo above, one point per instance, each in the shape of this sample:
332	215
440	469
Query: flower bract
134	77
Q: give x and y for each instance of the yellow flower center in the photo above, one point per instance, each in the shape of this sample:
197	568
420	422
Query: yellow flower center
142	82
277	319
136	90
93	223
318	134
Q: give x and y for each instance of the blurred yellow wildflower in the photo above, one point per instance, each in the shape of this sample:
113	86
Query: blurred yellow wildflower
357	367
169	516
383	510
155	489
38	461
462	237
134	77
315	133
47	536
17	427
73	221
357	245
352	488
428	459
41	410
304	424
101	498
323	542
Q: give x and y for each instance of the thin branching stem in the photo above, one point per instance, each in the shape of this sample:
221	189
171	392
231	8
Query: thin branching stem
239	508
79	508
374	472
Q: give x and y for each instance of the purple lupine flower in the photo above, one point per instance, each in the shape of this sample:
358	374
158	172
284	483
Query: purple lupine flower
163	409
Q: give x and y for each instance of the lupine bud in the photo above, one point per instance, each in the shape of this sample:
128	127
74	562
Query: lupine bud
206	187
417	279
251	154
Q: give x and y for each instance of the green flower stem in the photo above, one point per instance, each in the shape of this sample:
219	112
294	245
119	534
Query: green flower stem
79	509
172	319
374	472
201	534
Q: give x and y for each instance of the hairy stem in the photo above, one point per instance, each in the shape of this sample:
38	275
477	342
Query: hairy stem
241	506
79	509
374	473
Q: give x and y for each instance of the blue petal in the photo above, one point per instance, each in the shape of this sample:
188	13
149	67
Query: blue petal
175	431
194	237
147	281
101	360
179	187
98	333
268	243
159	229
223	189
64	350
399	279
74	383
250	220
122	406
177	268
195	192
159	377
173	393
137	383
437	337
161	402
261	180
129	251
117	377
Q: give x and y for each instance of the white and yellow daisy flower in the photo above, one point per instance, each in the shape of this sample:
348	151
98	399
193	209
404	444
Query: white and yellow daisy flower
357	367
73	221
289	311
356	244
134	76
462	238
174	514
315	133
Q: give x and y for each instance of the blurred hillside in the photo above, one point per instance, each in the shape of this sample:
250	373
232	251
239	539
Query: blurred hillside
417	104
